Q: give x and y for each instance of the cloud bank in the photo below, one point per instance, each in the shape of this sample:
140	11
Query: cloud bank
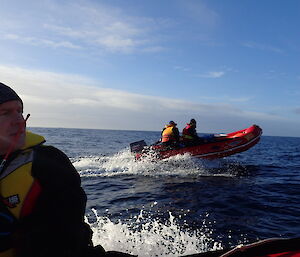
66	100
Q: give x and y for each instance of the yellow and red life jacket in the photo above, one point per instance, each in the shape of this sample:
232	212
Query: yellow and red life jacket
18	189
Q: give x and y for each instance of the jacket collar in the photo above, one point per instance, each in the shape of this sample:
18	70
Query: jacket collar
32	140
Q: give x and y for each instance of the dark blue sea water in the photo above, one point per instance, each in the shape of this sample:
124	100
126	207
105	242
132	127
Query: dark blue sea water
183	205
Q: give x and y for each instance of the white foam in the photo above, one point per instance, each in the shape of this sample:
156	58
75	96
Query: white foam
124	163
145	237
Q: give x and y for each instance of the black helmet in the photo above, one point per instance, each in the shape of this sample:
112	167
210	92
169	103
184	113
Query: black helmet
193	121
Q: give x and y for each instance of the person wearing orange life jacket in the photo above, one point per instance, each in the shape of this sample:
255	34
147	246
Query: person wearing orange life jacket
42	203
170	134
189	133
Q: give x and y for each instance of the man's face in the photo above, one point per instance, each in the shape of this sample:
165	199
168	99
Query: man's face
11	123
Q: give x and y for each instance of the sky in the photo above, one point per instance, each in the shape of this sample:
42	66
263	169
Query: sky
137	64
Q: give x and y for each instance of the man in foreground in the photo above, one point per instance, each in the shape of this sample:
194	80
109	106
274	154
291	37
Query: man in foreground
42	203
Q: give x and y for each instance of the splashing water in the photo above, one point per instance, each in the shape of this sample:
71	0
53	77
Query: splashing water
123	163
150	237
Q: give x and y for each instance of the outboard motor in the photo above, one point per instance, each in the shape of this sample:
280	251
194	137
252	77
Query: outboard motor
137	147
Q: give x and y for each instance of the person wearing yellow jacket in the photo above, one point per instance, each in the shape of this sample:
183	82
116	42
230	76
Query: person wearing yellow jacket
42	203
170	134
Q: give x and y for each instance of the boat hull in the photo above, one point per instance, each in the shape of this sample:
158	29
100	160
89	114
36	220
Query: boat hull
219	146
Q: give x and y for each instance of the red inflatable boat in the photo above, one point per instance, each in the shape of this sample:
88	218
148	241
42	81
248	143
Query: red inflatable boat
211	146
272	247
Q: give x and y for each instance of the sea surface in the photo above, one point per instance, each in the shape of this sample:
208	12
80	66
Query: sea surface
182	205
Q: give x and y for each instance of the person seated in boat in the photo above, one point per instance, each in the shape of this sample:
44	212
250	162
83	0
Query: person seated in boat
189	134
170	135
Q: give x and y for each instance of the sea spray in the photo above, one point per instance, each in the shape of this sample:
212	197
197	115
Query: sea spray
123	163
149	237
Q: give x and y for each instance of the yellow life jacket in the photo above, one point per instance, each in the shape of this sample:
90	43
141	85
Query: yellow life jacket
167	134
187	137
18	189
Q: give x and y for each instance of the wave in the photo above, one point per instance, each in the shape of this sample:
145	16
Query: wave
145	237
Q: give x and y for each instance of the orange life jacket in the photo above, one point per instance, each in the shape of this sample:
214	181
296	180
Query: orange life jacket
168	134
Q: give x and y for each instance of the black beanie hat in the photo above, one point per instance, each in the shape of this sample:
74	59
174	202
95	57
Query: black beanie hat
7	94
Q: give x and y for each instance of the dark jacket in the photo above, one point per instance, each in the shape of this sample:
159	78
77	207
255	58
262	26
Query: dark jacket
55	224
189	133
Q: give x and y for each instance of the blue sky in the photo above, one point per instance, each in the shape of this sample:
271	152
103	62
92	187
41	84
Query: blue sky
137	64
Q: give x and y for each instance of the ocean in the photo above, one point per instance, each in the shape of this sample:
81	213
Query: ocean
182	205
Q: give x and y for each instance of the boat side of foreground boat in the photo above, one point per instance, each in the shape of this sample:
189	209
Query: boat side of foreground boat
271	247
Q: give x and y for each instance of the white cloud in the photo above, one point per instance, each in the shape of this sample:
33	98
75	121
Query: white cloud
116	43
198	11
66	100
263	47
181	68
40	42
212	74
240	99
84	25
